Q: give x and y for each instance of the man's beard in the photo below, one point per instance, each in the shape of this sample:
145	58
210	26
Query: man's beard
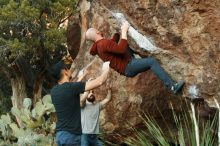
91	98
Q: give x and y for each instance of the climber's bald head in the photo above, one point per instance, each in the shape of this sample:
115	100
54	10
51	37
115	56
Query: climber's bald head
92	34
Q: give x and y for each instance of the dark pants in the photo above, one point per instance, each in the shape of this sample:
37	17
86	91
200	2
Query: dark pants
64	138
90	140
139	65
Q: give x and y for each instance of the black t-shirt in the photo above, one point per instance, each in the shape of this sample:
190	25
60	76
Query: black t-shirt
66	100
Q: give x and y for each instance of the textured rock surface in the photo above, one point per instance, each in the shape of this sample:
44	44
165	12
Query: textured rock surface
186	34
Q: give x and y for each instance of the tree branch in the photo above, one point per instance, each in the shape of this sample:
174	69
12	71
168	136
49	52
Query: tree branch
63	20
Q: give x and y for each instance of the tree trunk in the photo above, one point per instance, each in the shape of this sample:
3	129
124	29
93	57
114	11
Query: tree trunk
18	91
37	92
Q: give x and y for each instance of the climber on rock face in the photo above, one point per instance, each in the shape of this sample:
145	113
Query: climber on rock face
122	60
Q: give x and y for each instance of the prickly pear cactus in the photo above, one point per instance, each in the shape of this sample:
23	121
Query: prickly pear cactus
31	127
4	123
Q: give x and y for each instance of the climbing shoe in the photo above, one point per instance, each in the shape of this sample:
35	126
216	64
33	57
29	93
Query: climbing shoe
177	87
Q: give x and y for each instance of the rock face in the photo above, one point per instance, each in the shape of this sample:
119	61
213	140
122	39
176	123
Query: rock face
183	35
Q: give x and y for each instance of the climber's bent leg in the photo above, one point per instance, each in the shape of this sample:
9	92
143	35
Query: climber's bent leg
139	65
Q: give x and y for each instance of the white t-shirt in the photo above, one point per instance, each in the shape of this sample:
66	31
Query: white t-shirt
90	118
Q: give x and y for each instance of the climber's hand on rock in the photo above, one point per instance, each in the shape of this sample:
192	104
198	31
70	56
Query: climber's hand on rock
124	30
125	26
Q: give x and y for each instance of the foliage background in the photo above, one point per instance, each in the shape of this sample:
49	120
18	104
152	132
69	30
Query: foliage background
33	37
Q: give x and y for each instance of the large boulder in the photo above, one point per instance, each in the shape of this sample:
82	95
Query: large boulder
184	36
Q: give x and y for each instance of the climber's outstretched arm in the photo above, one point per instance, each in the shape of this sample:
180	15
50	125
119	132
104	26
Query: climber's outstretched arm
83	99
106	100
99	80
121	47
